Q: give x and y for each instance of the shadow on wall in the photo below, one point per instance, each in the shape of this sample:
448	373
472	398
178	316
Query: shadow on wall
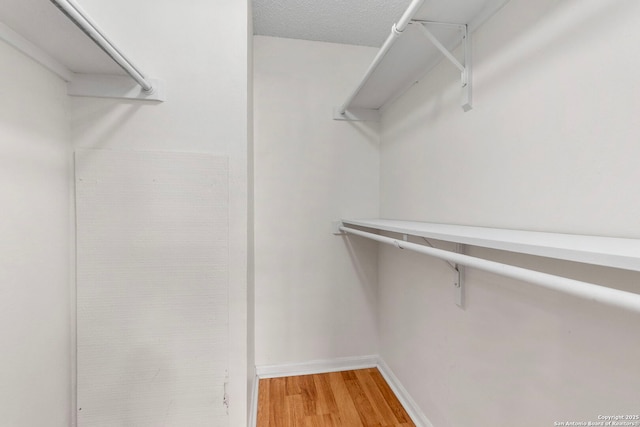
549	27
359	250
370	131
105	119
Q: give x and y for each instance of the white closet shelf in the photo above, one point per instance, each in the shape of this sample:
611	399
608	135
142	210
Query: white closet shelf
427	32
604	251
62	37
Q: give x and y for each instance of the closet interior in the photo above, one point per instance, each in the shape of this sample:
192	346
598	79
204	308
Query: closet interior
196	205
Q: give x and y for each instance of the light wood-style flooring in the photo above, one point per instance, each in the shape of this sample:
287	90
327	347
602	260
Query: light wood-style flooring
360	398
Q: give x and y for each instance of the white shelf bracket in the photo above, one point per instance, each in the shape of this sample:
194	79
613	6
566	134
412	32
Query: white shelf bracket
458	280
114	86
459	288
465	67
354	114
335	228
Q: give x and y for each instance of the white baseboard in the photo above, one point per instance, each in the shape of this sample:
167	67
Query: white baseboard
335	365
253	409
317	366
412	408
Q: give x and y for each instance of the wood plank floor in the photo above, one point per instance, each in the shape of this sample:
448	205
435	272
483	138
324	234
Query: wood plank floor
360	398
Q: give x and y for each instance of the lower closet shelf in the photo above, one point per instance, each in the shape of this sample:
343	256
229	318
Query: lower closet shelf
606	251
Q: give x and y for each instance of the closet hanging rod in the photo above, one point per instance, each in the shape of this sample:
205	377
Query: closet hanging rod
396	30
590	291
86	24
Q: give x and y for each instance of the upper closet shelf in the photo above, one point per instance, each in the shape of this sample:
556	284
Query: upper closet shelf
428	31
604	251
62	37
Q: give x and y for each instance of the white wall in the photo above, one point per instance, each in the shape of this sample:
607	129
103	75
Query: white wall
251	336
315	295
551	144
35	184
202	53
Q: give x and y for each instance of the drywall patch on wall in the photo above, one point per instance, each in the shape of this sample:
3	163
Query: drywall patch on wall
152	243
205	67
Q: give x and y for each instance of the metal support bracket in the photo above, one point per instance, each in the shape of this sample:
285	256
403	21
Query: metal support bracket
458	280
465	67
357	115
114	86
459	288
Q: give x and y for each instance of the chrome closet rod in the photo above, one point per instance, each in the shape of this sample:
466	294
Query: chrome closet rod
396	30
86	24
590	291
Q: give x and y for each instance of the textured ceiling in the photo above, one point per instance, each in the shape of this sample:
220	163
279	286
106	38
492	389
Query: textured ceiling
360	22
